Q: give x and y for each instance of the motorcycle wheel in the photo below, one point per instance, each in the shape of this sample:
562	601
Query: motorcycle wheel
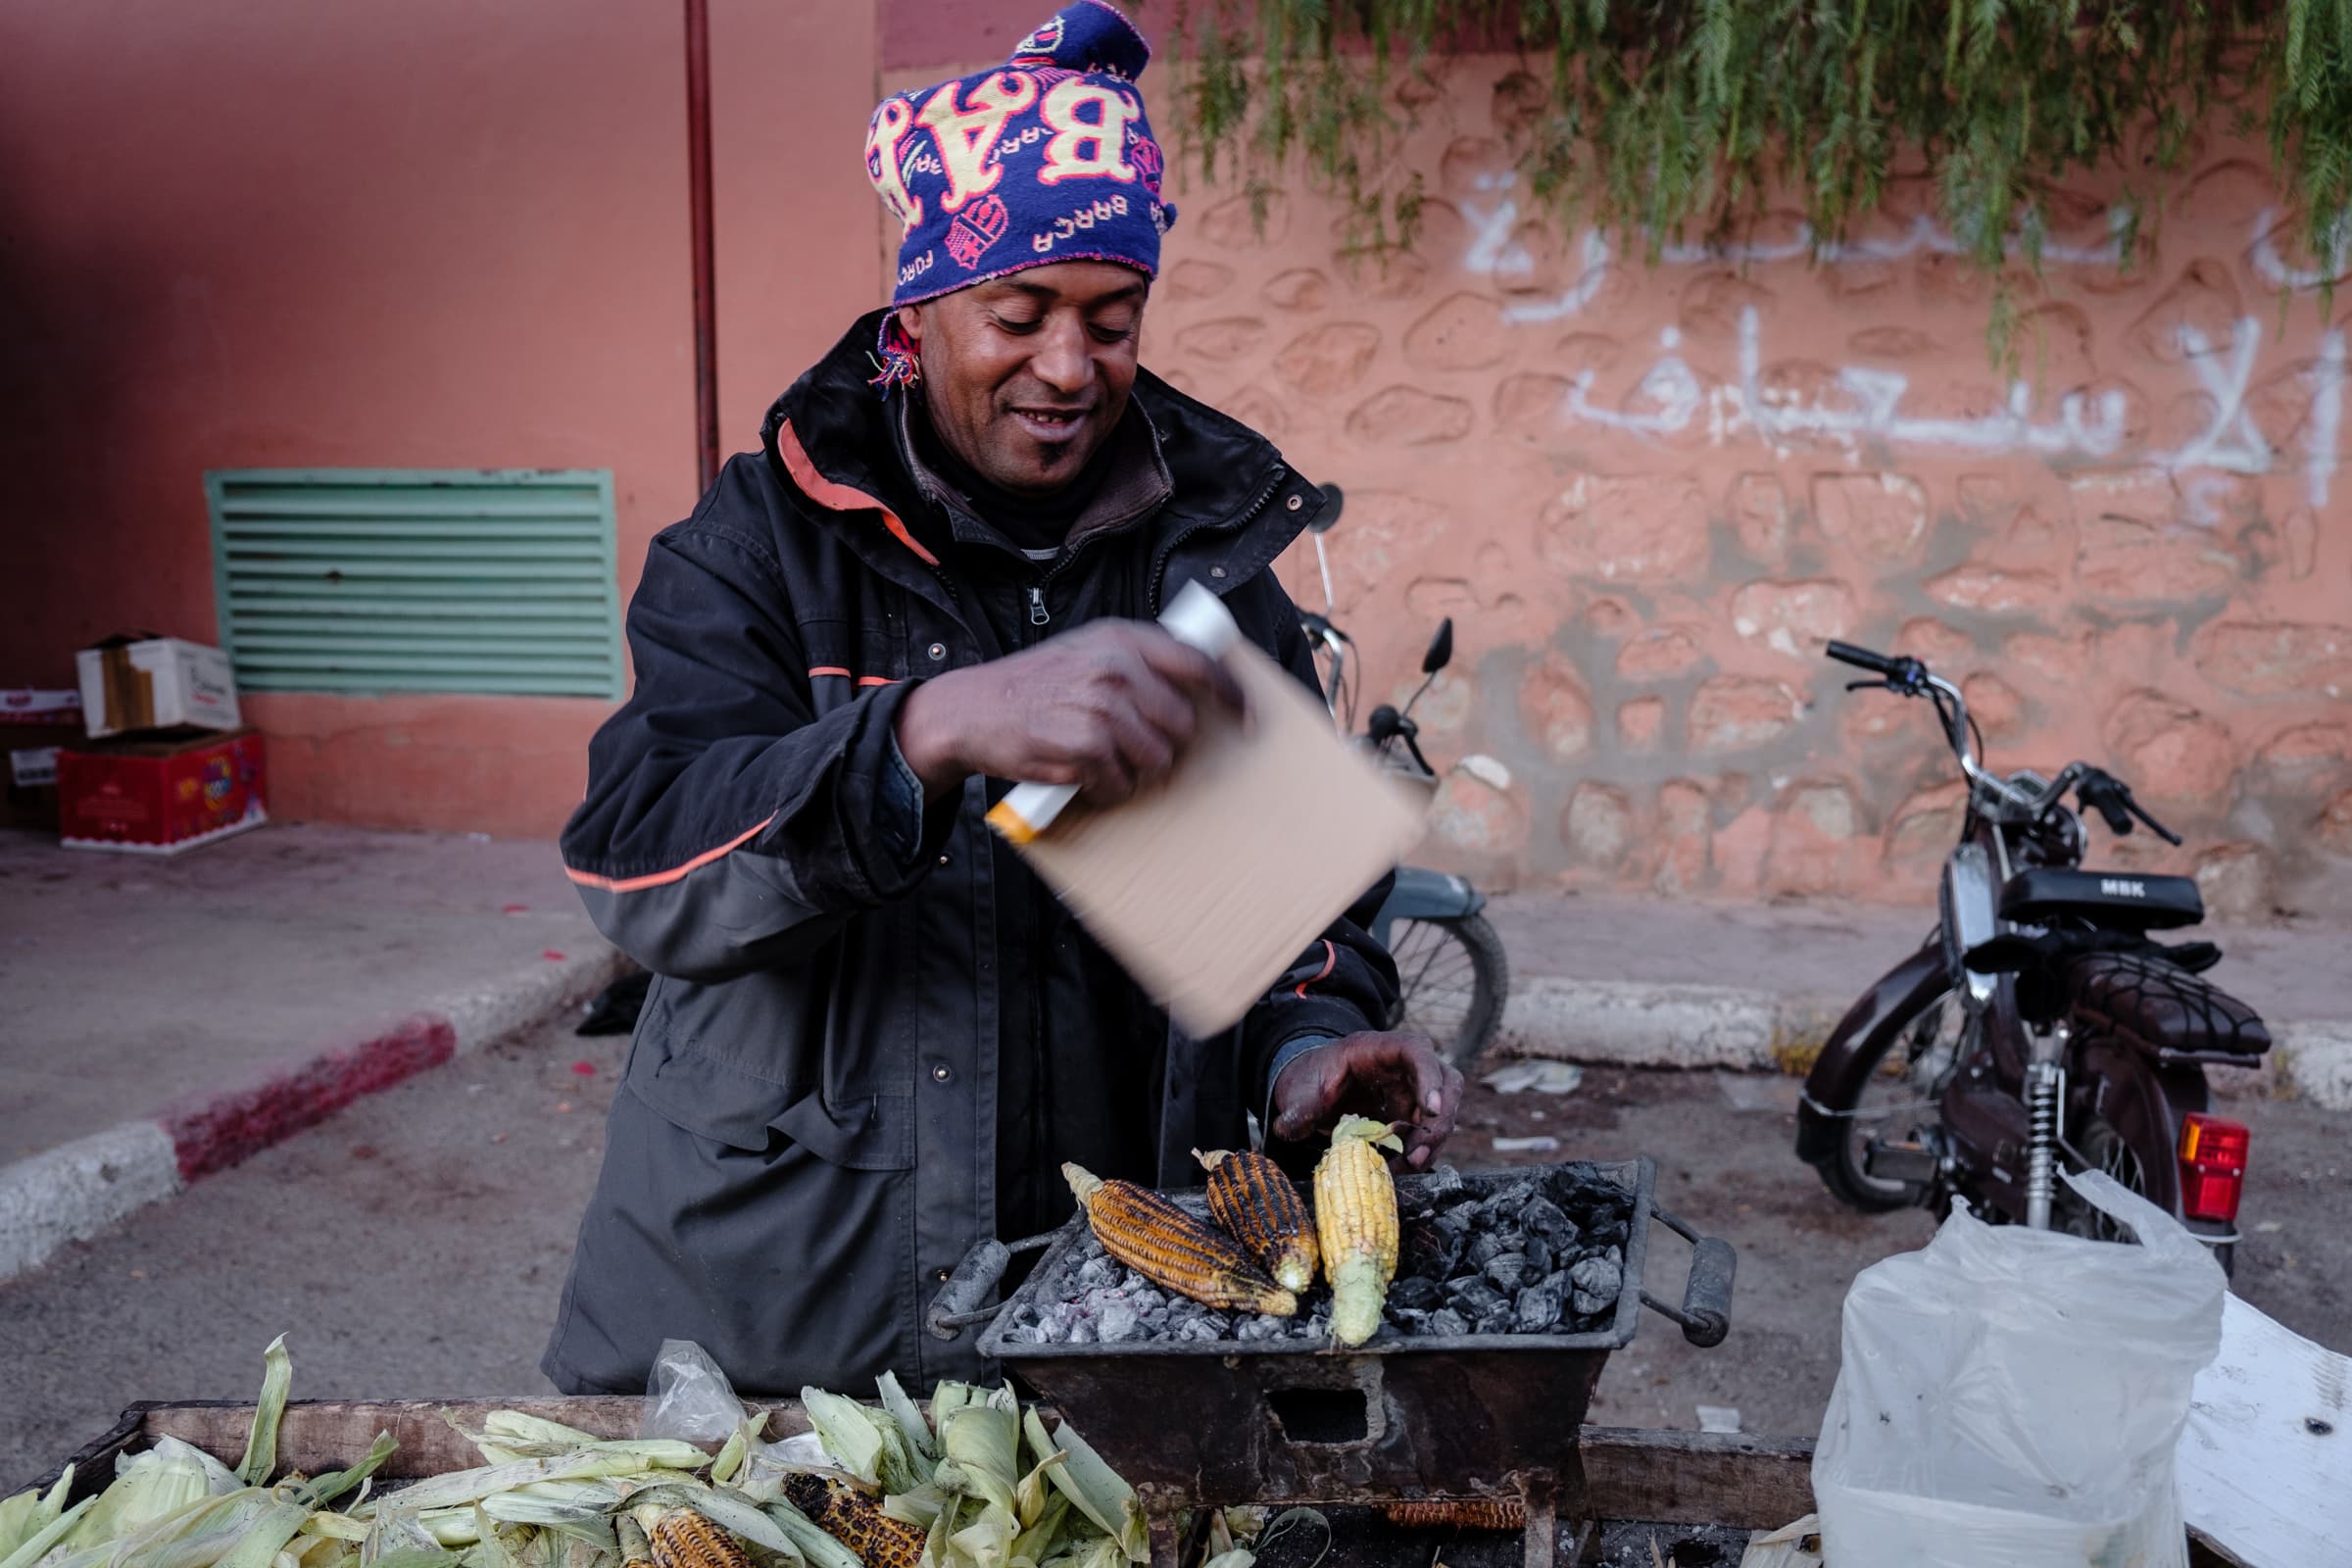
1890	1087
2103	1149
1453	978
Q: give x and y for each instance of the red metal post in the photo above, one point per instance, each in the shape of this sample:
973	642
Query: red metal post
698	182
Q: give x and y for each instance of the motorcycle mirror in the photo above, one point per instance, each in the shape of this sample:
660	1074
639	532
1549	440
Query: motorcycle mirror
1330	513
1441	648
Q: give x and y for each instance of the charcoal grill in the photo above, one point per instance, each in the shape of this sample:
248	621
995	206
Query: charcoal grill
1227	1422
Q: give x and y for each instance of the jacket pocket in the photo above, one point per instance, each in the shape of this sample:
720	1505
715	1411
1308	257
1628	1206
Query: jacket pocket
727	1104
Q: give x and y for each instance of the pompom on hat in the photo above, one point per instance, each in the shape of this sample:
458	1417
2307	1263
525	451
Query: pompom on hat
1047	158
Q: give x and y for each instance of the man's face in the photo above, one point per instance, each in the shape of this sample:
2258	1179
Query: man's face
1026	376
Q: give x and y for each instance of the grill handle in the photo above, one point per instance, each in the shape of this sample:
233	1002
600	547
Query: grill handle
1706	1310
956	1306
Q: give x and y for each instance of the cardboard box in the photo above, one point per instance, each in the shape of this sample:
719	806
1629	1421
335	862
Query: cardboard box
33	724
159	797
135	681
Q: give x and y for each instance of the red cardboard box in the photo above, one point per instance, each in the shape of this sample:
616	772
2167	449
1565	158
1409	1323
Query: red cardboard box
33	725
159	797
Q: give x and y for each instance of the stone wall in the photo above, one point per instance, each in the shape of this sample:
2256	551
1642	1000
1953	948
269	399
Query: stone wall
1647	494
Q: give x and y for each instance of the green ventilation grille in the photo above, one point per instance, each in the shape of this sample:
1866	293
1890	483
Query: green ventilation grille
417	580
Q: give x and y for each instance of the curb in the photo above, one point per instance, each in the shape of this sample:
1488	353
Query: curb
1629	1023
76	1190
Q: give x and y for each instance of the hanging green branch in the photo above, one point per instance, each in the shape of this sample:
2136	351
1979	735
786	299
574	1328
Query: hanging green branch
1670	118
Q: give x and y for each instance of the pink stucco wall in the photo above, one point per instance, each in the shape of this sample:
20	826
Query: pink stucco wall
1646	495
431	235
443	235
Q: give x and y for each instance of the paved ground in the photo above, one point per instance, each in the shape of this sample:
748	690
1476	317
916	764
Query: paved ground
413	1246
1831	949
134	983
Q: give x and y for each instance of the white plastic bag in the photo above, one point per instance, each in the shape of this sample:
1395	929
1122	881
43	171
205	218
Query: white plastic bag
688	1398
2015	1397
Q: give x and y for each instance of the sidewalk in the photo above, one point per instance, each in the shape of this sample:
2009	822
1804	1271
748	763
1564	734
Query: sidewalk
166	1019
1658	982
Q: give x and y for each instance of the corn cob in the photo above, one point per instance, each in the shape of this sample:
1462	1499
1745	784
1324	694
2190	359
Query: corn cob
1460	1513
1356	1217
683	1539
1168	1247
1251	1197
857	1521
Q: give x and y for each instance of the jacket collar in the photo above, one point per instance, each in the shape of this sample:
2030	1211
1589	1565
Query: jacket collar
833	438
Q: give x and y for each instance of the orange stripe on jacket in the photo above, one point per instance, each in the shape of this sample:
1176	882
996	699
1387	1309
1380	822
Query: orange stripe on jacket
1331	961
656	880
835	495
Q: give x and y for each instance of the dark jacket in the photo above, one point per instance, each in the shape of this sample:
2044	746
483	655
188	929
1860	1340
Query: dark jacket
850	984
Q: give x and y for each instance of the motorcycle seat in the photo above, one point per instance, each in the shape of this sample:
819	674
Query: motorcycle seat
2115	900
2163	1009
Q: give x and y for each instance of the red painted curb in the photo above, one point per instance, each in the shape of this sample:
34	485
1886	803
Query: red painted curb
213	1132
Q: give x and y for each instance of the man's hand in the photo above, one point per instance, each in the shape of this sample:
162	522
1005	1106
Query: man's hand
1392	1077
1106	707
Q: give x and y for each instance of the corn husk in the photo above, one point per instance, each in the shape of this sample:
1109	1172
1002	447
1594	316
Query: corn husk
849	1434
1093	1487
922	1447
37	1544
27	1513
149	1487
261	1440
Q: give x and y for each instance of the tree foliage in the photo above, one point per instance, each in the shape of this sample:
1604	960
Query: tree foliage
1669	119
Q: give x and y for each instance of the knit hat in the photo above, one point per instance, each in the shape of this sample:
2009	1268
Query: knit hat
1047	158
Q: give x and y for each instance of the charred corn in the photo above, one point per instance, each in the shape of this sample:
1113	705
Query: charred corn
1356	1219
683	1539
1168	1247
1250	1196
857	1521
1457	1513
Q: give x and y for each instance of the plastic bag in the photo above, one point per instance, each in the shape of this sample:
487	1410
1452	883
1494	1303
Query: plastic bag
2015	1397
688	1396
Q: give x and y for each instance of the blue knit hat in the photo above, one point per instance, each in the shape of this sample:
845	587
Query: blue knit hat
1046	159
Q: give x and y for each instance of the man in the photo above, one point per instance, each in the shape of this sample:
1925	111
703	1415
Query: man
875	1035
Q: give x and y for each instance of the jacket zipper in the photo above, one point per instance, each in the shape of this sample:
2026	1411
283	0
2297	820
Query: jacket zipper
1038	613
1160	561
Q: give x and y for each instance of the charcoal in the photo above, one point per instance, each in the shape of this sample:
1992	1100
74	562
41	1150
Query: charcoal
1615	1256
1406	1317
1483	1249
1498	1321
1596	1276
1081	1332
1477	1299
1430	1248
1506	1271
1539	1309
1538	1257
1456	1220
1448	1324
1099	1271
1119	1319
1506	1200
1414	1294
1198	1331
1544	1218
1442	1179
1590	1305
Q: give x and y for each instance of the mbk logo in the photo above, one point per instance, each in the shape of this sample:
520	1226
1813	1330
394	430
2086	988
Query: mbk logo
2115	887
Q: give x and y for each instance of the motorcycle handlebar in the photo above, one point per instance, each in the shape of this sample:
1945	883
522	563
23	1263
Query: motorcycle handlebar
1863	659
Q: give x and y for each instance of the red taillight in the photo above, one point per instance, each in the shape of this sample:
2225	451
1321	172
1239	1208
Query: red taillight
2212	1168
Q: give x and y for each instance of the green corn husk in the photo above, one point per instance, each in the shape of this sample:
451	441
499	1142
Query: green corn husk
1095	1488
921	1445
460	1488
724	1507
737	1449
983	1443
814	1542
1037	1542
27	1513
850	1435
261	1441
917	1507
148	1488
36	1544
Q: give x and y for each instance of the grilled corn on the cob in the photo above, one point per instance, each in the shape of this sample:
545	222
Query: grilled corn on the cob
857	1521
683	1539
1251	1197
1460	1513
1168	1247
1356	1217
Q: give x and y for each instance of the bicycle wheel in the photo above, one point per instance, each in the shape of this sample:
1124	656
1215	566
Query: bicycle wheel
1453	978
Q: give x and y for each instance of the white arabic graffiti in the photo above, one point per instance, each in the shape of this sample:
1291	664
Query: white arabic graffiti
1495	253
2274	267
